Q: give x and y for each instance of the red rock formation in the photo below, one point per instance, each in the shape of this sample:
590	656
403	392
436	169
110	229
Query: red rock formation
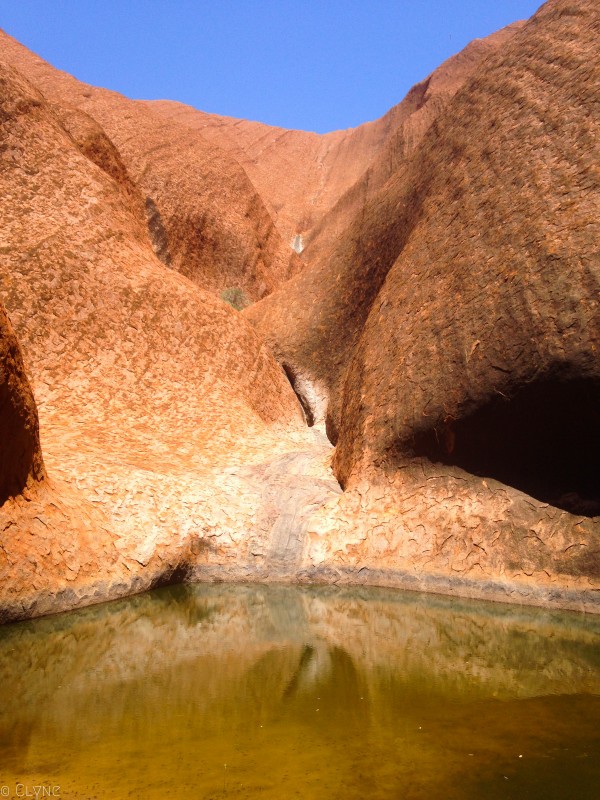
206	218
450	334
494	289
299	174
21	460
302	176
328	303
146	385
465	407
405	126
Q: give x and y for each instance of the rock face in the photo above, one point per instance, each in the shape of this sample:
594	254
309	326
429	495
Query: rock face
329	301
205	216
300	175
146	385
454	332
313	184
443	324
21	460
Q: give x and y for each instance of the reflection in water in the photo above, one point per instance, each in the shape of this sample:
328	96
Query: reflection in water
216	691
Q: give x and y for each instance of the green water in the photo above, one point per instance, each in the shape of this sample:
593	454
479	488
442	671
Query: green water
275	692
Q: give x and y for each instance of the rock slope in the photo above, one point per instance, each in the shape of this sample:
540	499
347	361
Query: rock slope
147	386
205	216
329	301
303	176
454	334
444	325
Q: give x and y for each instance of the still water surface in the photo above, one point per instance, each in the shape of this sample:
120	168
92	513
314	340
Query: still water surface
276	692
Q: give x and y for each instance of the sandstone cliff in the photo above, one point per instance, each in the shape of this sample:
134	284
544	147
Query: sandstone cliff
205	217
452	333
445	326
144	382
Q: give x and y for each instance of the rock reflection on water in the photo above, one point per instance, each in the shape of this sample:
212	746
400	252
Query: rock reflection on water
255	691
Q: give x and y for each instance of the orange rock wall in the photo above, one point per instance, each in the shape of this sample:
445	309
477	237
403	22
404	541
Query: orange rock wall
450	260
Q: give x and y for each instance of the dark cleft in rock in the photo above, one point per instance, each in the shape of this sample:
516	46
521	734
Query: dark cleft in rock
21	460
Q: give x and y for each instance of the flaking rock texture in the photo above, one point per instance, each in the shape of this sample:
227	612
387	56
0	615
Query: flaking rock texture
496	280
205	216
465	409
444	325
147	386
328	302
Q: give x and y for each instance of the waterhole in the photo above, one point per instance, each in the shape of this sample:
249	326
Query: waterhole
218	691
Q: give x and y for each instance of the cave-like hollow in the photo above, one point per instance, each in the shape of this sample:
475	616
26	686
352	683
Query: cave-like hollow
544	441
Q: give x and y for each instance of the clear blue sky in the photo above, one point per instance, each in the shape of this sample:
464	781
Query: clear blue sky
316	65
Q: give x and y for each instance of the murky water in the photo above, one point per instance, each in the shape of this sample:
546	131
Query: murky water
275	692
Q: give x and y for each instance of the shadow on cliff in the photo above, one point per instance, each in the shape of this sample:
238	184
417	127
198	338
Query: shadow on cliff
544	441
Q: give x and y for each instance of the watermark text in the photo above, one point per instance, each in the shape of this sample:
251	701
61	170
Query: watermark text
31	790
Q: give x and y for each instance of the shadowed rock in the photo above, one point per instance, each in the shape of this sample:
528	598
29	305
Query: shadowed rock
313	322
218	231
21	460
455	328
493	293
447	338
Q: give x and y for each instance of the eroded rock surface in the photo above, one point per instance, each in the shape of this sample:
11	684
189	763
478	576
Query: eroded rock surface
215	227
454	328
147	387
313	322
447	338
314	184
21	460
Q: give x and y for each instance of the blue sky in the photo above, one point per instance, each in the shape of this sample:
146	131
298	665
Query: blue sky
316	65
